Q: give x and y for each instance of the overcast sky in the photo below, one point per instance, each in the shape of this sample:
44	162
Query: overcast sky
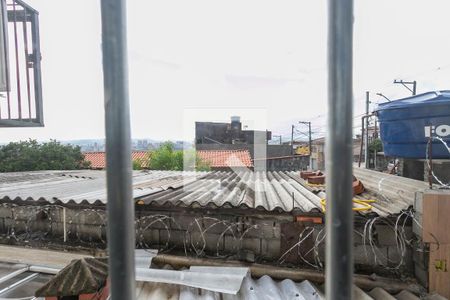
222	58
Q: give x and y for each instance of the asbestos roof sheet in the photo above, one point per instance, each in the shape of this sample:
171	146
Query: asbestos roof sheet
84	186
260	190
393	193
98	159
280	191
226	158
264	288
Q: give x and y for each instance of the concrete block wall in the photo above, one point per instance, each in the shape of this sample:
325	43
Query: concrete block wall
384	253
215	234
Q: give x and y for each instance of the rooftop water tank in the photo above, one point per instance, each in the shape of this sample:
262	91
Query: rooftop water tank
407	124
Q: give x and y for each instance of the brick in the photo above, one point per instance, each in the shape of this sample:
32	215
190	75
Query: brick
270	248
19	226
215	226
88	232
148	238
395	257
154	221
57	229
88	217
251	244
214	242
360	257
264	229
56	214
5	212
23	213
385	235
177	238
184	221
358	236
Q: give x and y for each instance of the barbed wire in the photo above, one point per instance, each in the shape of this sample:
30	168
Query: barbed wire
204	236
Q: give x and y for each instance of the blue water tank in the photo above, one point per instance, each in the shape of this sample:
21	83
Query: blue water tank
406	124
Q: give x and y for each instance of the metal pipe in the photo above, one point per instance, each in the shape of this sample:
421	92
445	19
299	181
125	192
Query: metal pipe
339	215
16	48
35	38
120	208
366	135
27	63
430	163
361	144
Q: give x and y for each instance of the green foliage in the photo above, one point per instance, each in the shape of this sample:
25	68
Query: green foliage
166	158
376	145
137	164
32	156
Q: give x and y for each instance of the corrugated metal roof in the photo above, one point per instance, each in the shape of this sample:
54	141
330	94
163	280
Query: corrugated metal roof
226	158
281	191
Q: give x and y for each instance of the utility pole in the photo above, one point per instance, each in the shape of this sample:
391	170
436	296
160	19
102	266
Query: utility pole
292	140
406	85
310	138
366	135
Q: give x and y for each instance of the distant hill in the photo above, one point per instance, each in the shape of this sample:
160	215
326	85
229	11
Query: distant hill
89	145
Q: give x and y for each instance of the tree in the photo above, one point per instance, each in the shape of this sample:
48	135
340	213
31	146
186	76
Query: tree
166	158
32	156
376	145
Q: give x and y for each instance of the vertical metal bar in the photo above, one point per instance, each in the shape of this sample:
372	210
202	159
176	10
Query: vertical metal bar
339	215
362	143
5	35
366	135
310	142
16	48
430	161
64	225
121	238
35	37
27	71
414	87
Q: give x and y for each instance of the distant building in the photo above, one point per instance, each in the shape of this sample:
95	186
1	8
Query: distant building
228	133
318	154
